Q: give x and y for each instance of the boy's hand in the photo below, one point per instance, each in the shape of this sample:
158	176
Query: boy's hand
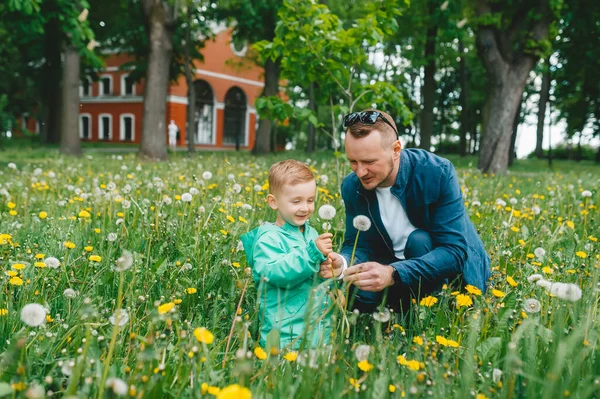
332	267
324	243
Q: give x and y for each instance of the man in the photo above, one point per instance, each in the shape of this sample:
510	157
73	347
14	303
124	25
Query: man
420	236
173	130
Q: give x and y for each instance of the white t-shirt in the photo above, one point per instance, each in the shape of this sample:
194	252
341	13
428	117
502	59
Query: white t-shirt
394	219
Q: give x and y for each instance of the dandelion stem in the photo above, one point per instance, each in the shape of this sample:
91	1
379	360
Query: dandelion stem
113	340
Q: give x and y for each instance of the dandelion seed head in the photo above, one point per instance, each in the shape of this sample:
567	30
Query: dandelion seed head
327	212
186	197
33	314
361	223
124	262
532	305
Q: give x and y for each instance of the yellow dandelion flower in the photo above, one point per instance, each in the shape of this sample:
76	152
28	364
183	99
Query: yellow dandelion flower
365	366
570	225
547	270
511	281
581	254
392	388
497	293
236	264
40	256
18	266
190	290
11	205
291	356
15	281
3	312
164	308
473	290
41	265
88	248
95	258
204	336
428	301
230	218
243	220
515	229
178	301
418	340
69	244
84	214
463	300
43	215
234	391
11	273
260	353
354	382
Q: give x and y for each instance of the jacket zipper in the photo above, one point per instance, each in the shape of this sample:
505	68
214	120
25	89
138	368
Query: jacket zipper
375	224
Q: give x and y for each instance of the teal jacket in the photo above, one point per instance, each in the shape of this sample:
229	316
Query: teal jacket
285	262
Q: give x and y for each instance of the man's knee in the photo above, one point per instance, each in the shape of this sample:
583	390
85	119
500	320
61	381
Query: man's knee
418	244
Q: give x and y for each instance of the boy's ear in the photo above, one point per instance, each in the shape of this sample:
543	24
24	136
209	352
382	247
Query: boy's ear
272	201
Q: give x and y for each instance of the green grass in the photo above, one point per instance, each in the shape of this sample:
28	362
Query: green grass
548	354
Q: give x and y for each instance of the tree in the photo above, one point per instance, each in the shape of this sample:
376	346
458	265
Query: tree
543	101
577	72
336	57
511	36
159	18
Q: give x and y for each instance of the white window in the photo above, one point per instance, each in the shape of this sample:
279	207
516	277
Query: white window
127	86
127	127
105	127
85	126
85	88
106	85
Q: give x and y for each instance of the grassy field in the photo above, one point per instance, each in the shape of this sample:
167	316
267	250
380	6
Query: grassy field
146	294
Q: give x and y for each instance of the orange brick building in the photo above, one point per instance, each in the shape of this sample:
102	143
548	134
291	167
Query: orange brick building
227	85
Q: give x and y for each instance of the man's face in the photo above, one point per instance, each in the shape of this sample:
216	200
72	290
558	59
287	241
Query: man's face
375	166
294	204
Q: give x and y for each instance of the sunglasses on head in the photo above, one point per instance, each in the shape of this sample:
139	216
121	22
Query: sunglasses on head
366	117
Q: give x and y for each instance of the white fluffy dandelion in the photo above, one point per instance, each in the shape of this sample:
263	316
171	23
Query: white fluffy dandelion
12	165
566	291
382	316
119	318
69	293
536	210
186	197
236	188
124	261
112	237
539	253
52	262
535	277
33	314
532	305
496	375
586	193
500	202
327	212
207	175
362	352
361	223
257	188
118	386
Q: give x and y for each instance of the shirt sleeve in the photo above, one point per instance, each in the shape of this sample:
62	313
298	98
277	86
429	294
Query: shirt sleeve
285	269
449	255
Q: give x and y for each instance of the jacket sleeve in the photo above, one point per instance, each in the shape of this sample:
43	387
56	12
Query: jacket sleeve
449	255
361	254
285	269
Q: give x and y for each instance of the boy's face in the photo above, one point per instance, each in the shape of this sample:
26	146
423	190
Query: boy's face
294	204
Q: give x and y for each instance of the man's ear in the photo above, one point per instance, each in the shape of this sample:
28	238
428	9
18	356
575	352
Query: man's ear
272	201
397	148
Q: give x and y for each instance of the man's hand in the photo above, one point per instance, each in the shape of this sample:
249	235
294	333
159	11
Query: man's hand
332	267
324	243
370	276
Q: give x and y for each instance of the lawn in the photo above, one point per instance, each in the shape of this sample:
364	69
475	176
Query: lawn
144	291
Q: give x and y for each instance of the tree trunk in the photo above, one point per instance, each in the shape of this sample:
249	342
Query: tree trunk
464	103
158	18
579	149
52	80
544	95
262	144
428	84
69	137
190	130
513	138
310	144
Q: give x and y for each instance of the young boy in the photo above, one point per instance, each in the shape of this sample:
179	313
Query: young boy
285	257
